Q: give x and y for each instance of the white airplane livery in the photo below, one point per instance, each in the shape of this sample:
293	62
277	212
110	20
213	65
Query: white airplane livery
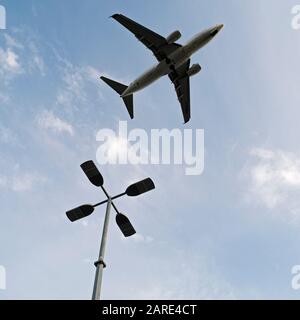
173	60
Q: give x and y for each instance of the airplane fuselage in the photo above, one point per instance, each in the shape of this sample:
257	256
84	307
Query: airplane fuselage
173	61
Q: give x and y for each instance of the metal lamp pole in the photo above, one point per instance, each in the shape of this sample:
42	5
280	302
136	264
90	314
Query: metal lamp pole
122	221
100	264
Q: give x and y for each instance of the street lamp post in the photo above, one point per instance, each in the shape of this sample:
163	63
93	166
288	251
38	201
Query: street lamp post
122	221
100	264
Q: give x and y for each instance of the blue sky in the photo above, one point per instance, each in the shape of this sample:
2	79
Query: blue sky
232	232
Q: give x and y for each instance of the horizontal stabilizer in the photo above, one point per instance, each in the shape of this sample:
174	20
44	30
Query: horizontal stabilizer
117	86
120	88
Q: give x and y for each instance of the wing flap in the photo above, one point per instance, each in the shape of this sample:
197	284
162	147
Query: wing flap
181	81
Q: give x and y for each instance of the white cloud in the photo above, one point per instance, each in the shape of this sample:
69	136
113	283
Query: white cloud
274	179
12	42
16	58
9	63
47	120
12	60
25	182
21	182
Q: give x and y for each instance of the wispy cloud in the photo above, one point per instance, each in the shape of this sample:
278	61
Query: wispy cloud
22	182
76	85
26	182
18	58
4	98
198	279
3	181
93	74
48	121
36	60
6	135
11	42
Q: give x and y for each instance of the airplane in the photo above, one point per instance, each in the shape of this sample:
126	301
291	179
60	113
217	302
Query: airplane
173	60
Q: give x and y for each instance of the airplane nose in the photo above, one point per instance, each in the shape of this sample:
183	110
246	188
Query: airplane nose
216	30
220	26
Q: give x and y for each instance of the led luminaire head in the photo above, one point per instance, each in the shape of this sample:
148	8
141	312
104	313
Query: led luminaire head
93	174
125	225
140	187
80	212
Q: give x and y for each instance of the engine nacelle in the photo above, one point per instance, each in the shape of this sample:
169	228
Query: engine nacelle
194	69
173	37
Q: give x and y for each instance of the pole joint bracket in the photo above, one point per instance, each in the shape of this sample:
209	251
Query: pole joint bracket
99	262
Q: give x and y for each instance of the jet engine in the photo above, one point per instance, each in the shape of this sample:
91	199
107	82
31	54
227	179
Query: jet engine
173	37
194	69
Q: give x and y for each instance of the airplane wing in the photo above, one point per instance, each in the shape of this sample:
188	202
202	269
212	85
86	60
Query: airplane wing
181	81
153	41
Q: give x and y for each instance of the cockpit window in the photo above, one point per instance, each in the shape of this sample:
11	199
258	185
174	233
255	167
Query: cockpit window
214	32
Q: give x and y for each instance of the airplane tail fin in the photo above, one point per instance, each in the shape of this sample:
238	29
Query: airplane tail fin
120	88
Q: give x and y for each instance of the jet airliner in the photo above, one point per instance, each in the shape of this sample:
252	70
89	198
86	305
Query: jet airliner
173	60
